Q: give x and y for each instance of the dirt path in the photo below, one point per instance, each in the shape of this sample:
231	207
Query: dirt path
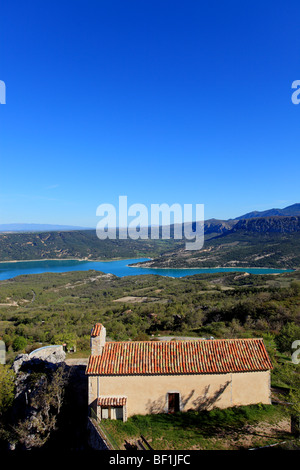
80	361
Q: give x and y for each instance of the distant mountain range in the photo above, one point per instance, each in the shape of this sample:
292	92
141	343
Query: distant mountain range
211	225
257	239
293	210
38	228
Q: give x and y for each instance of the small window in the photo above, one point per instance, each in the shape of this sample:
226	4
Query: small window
117	412
173	402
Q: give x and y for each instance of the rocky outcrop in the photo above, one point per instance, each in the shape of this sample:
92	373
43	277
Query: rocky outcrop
268	225
218	226
49	356
39	393
293	210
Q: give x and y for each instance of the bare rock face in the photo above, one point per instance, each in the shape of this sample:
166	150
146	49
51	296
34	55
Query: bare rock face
39	395
19	361
50	356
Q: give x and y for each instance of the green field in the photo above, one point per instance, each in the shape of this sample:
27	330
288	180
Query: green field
231	429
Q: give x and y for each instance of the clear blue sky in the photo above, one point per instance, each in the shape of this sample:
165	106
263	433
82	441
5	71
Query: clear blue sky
162	101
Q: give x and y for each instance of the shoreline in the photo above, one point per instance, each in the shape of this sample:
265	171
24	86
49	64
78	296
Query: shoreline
65	259
218	267
150	267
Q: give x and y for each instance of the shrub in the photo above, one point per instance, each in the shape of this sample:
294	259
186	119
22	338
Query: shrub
6	388
19	343
289	333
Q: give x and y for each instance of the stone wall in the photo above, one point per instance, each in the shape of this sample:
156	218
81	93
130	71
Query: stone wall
95	439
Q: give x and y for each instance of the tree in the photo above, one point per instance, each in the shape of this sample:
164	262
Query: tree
141	337
289	375
19	343
7	387
289	333
194	318
295	286
69	339
45	398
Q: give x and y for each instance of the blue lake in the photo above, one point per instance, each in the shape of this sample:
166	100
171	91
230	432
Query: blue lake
120	268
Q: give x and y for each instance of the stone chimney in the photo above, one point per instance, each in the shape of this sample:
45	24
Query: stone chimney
98	335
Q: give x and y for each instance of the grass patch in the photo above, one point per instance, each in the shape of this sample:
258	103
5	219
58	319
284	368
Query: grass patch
211	430
82	354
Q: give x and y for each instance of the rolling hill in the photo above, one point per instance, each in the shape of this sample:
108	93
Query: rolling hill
248	241
272	242
38	228
293	210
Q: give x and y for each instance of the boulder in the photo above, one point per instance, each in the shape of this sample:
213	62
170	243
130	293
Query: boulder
19	361
49	356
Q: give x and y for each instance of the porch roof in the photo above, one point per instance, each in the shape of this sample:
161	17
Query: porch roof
111	401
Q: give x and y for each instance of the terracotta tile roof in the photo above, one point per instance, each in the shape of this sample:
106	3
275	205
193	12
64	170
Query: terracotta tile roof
180	357
111	401
96	330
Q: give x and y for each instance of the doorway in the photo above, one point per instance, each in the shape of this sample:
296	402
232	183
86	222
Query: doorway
173	402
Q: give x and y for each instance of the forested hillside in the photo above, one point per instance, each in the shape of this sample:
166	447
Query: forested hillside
83	244
254	242
56	308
